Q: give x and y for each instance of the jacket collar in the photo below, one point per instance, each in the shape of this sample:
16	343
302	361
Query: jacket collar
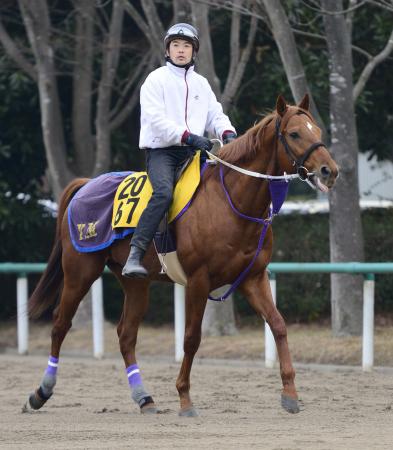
179	71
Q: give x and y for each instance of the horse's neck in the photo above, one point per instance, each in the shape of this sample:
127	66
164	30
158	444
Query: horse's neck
251	195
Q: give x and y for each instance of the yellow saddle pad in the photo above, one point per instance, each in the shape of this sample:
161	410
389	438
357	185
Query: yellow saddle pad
134	192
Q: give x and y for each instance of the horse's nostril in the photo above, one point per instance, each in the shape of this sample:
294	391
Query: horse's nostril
325	171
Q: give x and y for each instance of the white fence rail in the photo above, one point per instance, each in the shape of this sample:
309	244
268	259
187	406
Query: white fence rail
97	319
367	269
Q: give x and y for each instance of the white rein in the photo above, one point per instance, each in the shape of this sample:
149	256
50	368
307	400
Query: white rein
250	173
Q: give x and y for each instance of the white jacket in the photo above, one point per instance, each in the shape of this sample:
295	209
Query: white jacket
174	100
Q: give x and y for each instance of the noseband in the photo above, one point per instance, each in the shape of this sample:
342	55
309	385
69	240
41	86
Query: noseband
298	162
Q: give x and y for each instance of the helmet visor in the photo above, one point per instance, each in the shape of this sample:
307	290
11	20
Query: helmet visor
182	31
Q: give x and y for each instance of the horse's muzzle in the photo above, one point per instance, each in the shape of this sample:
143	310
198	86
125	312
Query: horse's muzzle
325	177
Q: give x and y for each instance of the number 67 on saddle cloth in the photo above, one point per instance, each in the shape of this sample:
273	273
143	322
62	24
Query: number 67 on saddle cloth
134	192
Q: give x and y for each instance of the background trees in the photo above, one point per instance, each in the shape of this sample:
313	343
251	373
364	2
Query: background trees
336	25
70	73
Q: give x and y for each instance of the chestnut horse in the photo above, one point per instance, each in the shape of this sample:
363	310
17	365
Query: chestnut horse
214	246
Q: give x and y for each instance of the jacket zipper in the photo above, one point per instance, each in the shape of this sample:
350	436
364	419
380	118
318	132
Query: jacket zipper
185	112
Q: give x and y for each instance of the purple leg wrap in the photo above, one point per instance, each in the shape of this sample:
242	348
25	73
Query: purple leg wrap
52	366
134	377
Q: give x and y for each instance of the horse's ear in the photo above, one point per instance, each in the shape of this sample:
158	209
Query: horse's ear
281	105
305	102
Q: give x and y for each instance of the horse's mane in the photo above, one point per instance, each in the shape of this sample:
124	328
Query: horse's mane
245	147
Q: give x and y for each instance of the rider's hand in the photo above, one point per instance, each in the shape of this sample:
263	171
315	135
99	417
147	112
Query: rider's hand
228	136
199	142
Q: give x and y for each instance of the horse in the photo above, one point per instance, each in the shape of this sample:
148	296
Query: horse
216	242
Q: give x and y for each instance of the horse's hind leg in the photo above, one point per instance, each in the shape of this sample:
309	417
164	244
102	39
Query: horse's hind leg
79	274
136	299
260	297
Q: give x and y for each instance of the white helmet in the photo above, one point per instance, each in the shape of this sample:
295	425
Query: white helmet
182	31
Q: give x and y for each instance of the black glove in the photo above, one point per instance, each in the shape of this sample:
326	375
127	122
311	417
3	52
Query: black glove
228	136
199	142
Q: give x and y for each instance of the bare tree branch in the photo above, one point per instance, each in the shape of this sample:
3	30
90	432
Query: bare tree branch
239	65
122	111
371	65
138	19
111	52
200	14
386	4
145	28
14	53
82	86
290	57
353	5
244	10
317	8
234	43
156	29
241	7
181	11
124	89
323	38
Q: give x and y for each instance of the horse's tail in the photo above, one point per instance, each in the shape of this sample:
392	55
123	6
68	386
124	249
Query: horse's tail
51	282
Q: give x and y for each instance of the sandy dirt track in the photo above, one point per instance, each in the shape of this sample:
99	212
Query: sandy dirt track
238	405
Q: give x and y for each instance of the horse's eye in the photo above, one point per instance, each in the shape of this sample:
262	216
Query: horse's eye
294	135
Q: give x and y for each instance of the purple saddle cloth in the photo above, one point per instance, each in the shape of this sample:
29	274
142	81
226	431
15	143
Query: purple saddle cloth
90	214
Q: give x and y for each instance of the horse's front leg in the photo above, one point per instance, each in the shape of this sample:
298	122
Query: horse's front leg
258	292
196	297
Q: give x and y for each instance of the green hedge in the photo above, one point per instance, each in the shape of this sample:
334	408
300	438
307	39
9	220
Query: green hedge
305	238
297	238
27	233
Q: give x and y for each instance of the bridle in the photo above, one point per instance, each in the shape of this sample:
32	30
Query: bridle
298	162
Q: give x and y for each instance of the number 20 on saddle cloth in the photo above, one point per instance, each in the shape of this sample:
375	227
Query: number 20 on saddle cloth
109	207
134	192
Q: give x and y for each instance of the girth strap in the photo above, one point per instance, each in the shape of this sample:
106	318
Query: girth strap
266	222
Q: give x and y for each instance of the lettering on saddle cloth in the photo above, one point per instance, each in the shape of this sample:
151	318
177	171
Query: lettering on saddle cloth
134	192
87	230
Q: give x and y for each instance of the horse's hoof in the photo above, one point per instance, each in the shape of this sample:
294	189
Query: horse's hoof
189	412
290	404
37	399
149	409
33	404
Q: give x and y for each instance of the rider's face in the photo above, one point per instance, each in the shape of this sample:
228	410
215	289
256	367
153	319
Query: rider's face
180	51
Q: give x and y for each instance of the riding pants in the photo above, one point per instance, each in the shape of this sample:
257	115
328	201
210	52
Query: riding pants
161	165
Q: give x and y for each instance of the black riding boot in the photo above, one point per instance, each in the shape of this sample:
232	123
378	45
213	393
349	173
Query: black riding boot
133	267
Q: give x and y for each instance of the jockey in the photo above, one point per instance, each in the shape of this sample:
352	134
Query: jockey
177	107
